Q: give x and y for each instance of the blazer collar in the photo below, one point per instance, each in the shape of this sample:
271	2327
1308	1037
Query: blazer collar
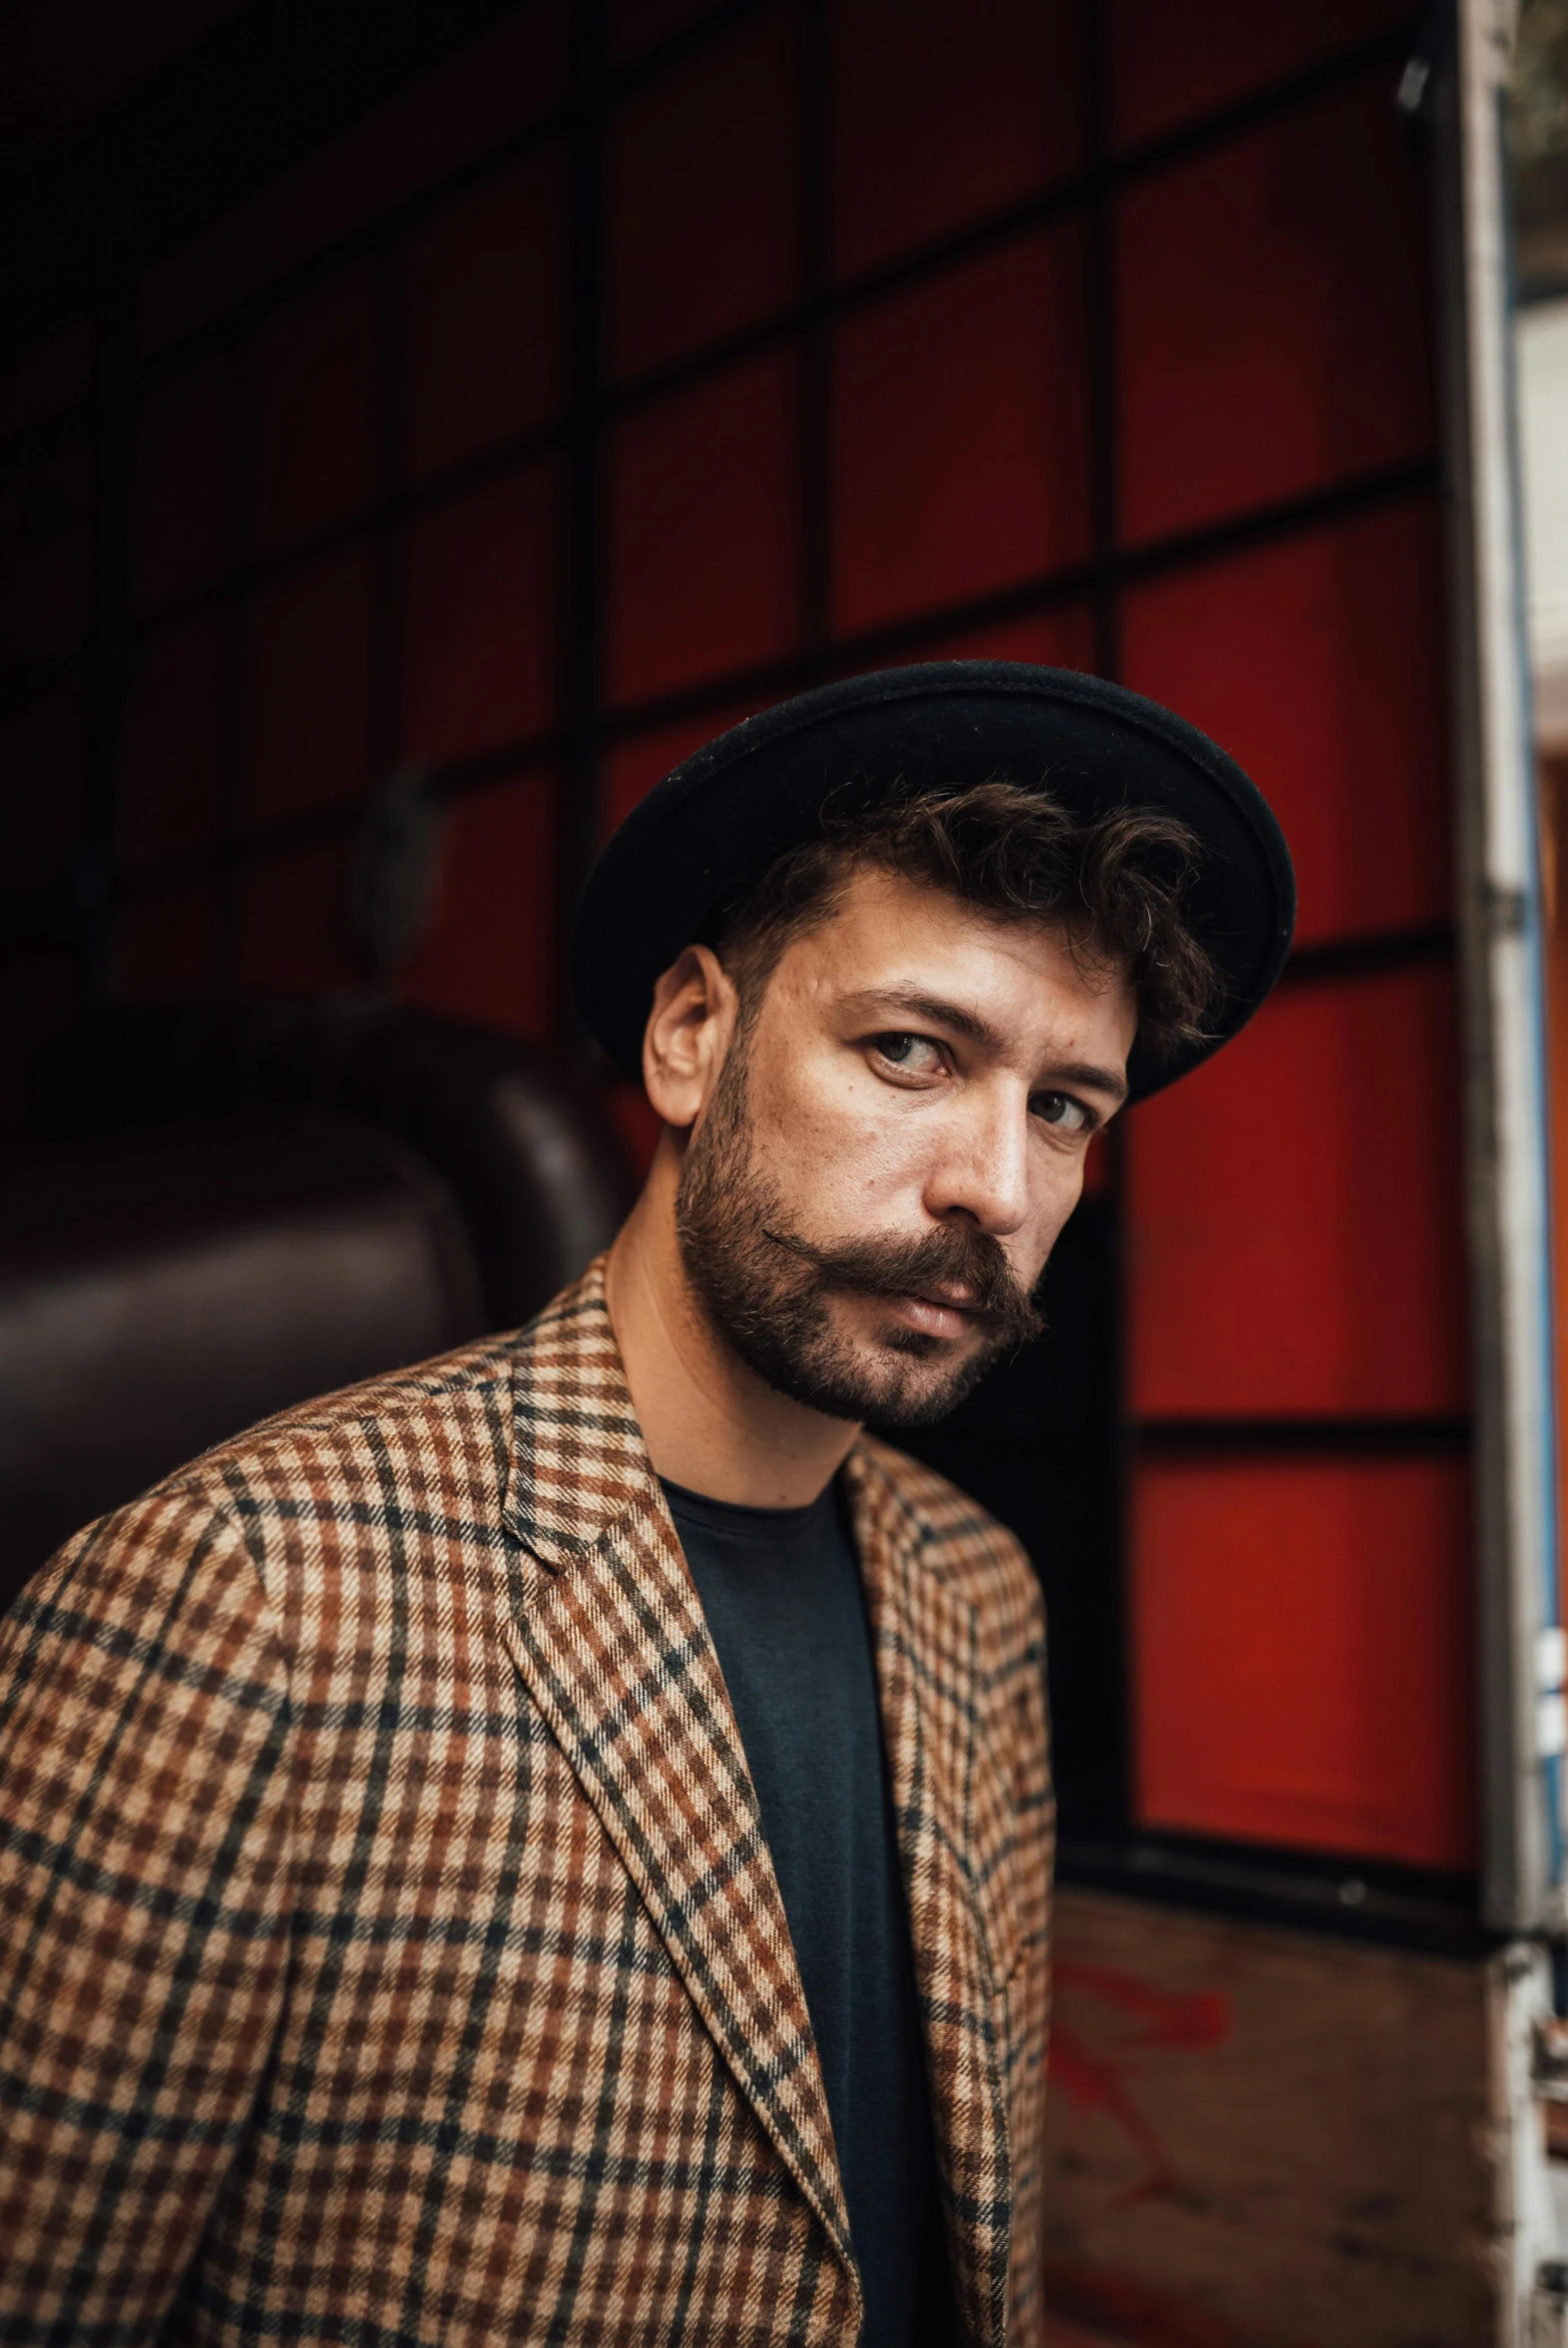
607	1631
605	1627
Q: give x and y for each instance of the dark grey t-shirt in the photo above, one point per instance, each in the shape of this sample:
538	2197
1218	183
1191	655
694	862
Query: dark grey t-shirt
781	1591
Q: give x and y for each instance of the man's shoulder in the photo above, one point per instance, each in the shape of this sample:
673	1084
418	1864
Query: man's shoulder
405	1463
398	1412
349	1488
960	1537
423	1400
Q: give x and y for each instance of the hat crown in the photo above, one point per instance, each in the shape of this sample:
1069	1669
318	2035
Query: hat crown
710	830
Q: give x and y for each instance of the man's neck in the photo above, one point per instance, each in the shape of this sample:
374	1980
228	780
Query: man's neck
710	1422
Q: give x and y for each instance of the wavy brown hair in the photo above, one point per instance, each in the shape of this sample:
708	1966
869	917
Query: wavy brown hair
1114	885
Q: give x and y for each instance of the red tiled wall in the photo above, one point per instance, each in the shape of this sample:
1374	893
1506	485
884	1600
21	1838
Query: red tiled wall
485	295
1314	659
1296	1232
1322	1613
704	531
933	134
703	196
1323	371
835	432
1009	498
1301	1599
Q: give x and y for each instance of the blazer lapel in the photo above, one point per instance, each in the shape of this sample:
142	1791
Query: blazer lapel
606	1629
925	1636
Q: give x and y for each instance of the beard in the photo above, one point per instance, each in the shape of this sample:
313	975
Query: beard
767	1291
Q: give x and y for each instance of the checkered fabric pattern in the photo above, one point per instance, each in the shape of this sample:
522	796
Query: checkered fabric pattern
390	1951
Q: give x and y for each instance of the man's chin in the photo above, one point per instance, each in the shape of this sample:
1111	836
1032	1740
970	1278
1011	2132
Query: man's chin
910	1405
913	1380
851	1358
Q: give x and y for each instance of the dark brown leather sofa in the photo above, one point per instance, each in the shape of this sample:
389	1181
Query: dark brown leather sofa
215	1212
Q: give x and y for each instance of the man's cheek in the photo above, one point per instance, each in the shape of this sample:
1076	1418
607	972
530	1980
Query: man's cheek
860	1189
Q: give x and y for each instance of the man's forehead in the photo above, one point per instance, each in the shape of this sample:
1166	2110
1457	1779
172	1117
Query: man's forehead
884	917
898	949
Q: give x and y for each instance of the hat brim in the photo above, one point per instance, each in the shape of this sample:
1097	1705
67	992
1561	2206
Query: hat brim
704	834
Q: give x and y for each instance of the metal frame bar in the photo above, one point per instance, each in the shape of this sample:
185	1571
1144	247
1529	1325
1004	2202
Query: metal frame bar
1359	1436
1501	962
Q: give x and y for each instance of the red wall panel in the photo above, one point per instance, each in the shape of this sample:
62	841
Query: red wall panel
1061	637
37	1000
45	559
1303	1654
485	296
1168	64
1294	1229
315	393
40	804
484	595
704	195
308	686
491	950
952	475
294	928
171	759
1319	662
180	519
494	88
935	124
46	381
633	767
1272	314
634	25
166	942
703	530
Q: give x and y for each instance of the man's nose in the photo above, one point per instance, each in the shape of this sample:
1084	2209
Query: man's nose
984	1169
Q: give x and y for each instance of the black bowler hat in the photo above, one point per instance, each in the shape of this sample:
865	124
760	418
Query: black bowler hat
703	837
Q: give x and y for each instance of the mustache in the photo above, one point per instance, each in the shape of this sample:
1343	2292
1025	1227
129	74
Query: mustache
967	1259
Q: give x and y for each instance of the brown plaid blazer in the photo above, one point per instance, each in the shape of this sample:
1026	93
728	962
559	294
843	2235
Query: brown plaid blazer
390	1951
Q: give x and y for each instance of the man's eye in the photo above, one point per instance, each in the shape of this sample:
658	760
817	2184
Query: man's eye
1062	1111
914	1053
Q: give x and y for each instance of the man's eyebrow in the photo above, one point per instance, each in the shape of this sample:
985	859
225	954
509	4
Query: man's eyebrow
933	1008
1096	1079
941	1013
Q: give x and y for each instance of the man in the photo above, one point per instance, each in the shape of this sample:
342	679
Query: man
553	1845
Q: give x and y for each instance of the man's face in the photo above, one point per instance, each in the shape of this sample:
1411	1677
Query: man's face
894	1140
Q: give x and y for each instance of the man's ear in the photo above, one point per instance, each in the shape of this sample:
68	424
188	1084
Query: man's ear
687	1034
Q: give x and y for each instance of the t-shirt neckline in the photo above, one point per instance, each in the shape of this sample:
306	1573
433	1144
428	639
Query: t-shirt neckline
738	1517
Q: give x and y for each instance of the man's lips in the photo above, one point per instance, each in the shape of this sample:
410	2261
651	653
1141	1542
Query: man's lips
939	1315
